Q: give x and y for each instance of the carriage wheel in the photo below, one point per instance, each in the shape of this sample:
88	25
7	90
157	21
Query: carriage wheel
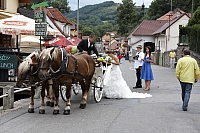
98	90
76	88
63	90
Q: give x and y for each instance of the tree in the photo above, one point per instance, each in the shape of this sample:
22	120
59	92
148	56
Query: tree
125	16
195	20
87	31
62	5
160	7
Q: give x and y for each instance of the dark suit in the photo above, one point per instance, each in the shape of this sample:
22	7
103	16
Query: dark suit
83	46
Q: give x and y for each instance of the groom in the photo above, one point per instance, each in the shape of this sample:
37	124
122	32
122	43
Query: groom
87	45
138	65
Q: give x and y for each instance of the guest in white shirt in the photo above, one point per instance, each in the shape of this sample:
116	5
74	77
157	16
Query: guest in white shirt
138	65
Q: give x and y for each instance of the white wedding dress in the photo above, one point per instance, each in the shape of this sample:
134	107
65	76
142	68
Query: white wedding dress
116	87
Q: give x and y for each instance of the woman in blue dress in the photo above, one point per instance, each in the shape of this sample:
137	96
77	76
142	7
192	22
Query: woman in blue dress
147	73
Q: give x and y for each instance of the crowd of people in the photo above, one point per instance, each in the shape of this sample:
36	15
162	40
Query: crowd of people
187	72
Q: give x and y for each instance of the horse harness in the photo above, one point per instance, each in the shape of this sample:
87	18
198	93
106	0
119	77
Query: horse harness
64	66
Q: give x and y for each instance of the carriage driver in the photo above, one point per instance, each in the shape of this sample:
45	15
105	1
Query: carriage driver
87	45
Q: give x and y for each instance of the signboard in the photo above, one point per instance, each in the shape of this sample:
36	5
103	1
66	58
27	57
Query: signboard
40	29
8	61
40	16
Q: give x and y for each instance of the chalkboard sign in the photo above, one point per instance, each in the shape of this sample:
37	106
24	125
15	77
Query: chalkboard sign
8	61
40	29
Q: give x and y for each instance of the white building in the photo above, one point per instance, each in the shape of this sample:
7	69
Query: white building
161	34
167	36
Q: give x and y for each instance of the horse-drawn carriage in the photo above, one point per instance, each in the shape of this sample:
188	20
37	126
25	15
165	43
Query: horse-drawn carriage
64	72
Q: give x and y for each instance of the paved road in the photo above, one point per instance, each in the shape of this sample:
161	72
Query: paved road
160	114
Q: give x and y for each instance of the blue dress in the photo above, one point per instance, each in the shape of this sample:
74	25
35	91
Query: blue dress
146	73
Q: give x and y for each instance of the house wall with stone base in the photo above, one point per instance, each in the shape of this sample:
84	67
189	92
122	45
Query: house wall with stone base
179	51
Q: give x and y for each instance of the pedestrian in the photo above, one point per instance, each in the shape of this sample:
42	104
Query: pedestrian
129	56
86	46
172	56
120	57
147	73
138	65
187	72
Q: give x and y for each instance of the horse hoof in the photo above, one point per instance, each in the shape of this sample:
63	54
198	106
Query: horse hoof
41	111
66	112
82	106
51	104
55	112
31	110
48	103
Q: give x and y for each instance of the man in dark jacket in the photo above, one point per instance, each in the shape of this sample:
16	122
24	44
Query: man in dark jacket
87	45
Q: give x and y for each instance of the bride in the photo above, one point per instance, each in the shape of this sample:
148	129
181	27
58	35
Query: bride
115	85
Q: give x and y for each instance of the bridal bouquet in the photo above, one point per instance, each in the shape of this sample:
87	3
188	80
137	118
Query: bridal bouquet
108	59
104	59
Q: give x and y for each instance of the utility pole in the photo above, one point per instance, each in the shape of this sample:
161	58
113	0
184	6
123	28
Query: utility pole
171	5
77	20
192	8
169	24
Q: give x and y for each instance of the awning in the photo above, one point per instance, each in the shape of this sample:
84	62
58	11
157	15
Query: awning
58	41
20	24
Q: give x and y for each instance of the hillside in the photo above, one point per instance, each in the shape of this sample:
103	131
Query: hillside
93	15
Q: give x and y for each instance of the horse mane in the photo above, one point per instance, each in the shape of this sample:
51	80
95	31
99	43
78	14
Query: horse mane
55	53
25	65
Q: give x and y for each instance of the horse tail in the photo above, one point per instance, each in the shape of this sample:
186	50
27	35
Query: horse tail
89	91
91	65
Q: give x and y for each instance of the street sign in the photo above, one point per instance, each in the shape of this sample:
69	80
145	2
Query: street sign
43	4
8	61
40	29
40	16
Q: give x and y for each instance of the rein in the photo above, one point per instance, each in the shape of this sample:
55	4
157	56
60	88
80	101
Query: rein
64	66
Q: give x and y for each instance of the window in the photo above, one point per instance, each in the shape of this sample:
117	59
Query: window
3	4
5	41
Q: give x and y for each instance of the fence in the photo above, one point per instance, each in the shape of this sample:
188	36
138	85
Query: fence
8	96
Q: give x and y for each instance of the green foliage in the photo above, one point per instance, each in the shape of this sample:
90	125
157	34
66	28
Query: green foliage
160	7
192	31
100	18
62	5
125	16
196	18
87	31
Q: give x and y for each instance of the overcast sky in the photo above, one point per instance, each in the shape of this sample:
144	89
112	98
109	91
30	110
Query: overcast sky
73	3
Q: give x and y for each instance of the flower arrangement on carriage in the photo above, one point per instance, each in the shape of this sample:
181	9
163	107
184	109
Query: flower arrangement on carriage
71	49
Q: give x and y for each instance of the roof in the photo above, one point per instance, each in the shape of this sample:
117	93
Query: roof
171	15
55	14
148	27
137	42
166	25
26	12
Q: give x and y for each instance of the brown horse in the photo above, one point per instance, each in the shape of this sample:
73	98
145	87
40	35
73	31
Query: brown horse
66	69
29	68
